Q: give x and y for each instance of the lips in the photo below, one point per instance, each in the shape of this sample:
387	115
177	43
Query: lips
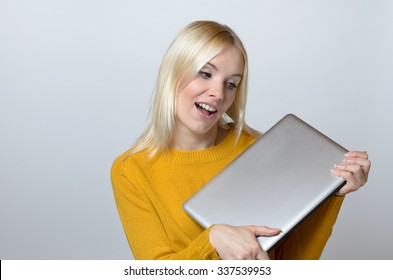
206	108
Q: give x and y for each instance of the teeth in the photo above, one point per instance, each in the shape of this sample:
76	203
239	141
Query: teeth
207	107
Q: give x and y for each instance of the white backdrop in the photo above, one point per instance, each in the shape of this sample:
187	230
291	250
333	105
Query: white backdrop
76	78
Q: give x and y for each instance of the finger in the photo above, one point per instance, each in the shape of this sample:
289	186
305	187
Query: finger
347	176
351	183
358	154
264	230
364	163
352	170
262	255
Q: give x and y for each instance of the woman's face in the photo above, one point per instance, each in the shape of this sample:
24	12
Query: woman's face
200	105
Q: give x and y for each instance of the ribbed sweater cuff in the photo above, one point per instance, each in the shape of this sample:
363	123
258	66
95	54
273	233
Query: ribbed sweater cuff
205	248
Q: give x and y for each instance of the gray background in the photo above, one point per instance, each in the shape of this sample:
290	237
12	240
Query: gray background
76	78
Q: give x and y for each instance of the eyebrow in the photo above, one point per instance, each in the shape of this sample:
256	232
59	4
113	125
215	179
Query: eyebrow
215	68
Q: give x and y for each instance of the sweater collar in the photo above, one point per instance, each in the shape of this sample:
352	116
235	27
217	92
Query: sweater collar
216	152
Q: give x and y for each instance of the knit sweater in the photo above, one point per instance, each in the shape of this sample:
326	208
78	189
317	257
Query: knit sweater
149	194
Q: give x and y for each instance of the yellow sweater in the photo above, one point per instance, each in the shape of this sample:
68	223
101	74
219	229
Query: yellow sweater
149	194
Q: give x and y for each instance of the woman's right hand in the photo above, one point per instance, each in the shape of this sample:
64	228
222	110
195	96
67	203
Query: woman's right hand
240	242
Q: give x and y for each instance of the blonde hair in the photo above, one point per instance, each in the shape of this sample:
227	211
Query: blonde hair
193	47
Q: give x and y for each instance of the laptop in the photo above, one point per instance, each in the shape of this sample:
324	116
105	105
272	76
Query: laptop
277	181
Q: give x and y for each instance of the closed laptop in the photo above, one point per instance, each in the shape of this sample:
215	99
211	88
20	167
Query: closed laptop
279	180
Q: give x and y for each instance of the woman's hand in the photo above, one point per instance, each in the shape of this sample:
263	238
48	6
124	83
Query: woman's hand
354	170
240	242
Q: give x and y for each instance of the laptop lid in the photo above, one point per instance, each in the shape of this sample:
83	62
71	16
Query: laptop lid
277	181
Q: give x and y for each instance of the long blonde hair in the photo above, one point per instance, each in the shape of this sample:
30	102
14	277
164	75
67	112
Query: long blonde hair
193	47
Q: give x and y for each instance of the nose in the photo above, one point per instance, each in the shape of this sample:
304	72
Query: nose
217	91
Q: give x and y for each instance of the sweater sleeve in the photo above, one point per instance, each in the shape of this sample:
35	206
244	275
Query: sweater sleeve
145	233
308	240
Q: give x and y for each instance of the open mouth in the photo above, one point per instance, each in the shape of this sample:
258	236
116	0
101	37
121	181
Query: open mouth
206	109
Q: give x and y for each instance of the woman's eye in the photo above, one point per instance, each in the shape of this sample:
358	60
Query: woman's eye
205	75
231	85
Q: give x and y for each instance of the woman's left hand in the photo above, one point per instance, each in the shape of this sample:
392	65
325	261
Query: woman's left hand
354	170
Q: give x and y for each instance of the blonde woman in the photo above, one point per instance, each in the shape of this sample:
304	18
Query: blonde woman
195	128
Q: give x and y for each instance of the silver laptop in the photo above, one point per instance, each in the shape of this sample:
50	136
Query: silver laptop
276	182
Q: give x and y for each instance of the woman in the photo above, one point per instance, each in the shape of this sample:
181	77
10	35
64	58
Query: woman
196	127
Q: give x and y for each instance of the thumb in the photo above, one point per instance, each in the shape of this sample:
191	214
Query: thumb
264	230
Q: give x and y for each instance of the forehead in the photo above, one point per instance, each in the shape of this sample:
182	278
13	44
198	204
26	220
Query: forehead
230	60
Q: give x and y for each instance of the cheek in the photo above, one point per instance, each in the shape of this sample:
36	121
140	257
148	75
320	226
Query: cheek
184	101
229	100
188	93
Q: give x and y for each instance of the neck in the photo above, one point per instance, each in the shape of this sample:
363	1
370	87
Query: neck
191	141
